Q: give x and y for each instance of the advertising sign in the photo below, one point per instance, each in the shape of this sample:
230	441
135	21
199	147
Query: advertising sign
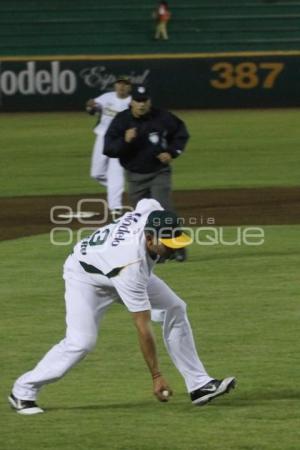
175	82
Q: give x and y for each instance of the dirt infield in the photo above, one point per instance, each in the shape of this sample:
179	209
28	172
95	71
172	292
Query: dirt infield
25	216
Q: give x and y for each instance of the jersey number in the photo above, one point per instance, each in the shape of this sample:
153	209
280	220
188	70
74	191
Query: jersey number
99	237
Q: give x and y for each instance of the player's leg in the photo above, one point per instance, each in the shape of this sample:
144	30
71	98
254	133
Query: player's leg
99	161
164	31
84	307
170	311
157	31
115	184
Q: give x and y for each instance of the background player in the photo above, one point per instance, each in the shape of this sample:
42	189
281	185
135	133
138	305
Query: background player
107	171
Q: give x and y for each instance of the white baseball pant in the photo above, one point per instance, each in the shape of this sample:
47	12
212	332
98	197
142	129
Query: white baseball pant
85	307
108	172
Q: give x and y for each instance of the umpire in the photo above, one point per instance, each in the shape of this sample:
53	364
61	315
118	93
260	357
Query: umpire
146	140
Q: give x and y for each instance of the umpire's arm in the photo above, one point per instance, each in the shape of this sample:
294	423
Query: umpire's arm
115	145
177	135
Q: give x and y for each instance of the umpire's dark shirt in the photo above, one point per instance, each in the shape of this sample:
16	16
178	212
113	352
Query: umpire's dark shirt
157	131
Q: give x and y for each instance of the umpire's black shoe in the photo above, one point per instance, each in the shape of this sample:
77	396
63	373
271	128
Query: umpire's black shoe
211	390
25	407
181	255
161	260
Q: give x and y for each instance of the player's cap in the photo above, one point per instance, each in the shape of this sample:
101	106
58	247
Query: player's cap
140	93
165	225
123	78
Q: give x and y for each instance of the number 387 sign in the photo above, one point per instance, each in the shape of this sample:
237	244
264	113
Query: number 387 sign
246	75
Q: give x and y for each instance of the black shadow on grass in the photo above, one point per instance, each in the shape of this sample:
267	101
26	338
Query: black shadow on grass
103	406
233	401
256	398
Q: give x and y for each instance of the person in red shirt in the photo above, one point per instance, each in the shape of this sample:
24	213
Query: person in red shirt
162	16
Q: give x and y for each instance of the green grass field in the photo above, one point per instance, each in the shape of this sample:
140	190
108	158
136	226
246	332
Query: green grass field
244	324
49	153
243	301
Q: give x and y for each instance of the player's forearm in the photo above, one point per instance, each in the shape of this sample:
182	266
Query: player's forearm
148	347
147	344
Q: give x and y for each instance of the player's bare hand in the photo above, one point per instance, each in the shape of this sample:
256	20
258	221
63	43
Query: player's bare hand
165	157
130	134
161	389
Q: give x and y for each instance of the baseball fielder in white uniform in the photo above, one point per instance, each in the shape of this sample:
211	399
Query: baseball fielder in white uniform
115	265
105	170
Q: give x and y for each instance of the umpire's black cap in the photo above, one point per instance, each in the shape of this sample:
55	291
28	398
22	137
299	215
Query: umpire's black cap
140	93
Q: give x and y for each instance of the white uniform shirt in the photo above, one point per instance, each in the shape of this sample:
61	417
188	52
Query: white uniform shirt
110	105
116	255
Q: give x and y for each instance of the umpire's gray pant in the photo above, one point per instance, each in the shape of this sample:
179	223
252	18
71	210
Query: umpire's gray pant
155	185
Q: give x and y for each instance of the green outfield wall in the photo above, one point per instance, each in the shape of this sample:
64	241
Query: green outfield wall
226	80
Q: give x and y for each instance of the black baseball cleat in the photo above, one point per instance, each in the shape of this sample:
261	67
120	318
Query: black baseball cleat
213	389
25	407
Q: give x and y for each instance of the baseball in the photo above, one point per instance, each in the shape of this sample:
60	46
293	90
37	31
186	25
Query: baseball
165	393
